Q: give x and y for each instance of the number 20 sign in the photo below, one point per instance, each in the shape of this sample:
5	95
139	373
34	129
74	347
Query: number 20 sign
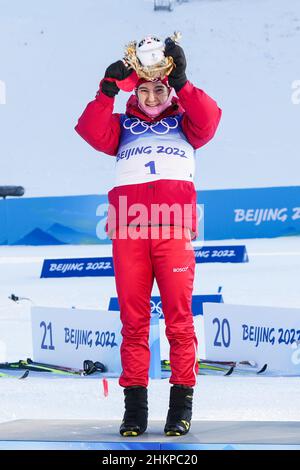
247	332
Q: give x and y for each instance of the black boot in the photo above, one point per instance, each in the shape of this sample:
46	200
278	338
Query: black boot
136	412
180	411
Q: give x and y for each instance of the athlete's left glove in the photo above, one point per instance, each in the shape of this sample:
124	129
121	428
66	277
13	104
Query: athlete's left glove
118	76
177	78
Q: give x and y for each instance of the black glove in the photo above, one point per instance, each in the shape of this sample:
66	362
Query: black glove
177	78
116	71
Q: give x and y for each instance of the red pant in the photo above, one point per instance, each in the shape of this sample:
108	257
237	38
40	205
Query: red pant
172	263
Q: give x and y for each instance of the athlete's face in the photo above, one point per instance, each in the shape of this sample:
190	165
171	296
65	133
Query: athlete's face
152	94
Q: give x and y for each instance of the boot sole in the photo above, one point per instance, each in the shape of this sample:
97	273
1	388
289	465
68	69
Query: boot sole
178	432
130	434
173	433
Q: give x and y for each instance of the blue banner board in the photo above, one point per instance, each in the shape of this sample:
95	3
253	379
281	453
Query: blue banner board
228	214
78	267
221	254
156	305
83	267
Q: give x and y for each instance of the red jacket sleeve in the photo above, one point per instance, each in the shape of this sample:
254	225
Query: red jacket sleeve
99	126
201	117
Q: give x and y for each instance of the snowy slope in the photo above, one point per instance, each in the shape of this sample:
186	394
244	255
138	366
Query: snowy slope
53	54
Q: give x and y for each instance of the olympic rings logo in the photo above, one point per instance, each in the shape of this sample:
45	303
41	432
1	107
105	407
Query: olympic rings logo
138	127
156	309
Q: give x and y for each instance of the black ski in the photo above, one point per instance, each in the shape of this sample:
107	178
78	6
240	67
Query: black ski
89	367
205	368
226	368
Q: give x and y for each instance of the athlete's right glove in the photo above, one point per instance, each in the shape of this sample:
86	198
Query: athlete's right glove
118	76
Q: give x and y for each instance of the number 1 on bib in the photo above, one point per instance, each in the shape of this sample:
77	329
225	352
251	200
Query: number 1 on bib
151	165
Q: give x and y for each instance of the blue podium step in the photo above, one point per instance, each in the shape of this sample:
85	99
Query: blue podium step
104	435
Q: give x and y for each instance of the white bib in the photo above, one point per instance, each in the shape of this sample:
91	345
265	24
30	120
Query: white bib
153	151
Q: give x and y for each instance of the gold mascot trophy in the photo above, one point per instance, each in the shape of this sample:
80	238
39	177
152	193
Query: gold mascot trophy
147	57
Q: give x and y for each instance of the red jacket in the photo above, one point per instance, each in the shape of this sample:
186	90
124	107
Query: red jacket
101	128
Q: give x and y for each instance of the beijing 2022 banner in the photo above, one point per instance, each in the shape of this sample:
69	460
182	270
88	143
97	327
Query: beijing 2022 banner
224	214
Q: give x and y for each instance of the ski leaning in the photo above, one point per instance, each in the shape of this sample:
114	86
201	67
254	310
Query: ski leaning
225	368
89	367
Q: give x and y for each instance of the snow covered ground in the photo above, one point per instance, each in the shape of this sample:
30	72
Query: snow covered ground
270	278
